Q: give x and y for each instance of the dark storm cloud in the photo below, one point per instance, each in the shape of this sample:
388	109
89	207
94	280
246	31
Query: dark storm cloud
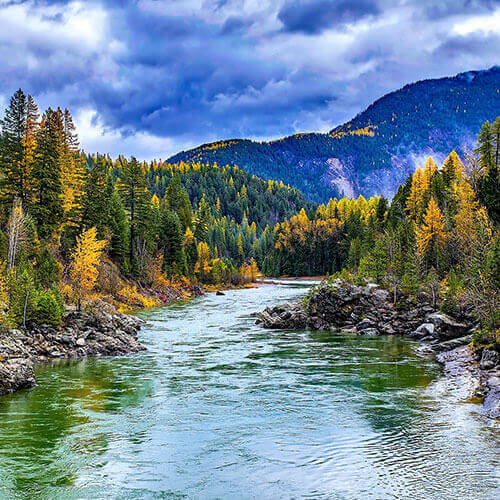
459	46
314	16
447	8
208	69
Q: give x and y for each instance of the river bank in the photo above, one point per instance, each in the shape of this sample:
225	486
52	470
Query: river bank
106	328
369	311
101	332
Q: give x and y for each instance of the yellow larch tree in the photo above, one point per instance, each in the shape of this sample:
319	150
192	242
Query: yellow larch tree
203	265
453	168
430	234
419	187
465	218
84	268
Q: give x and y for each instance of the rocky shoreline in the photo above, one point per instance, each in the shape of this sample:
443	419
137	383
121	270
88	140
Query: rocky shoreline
369	311
102	332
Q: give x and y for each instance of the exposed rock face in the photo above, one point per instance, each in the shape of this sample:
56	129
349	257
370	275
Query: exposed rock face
292	316
104	332
489	359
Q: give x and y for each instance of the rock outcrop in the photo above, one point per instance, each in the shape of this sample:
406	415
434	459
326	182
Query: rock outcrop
104	332
369	311
339	305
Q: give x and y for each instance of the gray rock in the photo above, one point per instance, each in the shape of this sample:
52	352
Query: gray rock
446	327
365	323
370	331
426	328
370	287
80	342
452	344
489	359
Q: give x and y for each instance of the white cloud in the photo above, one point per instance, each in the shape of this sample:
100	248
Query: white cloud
96	138
486	24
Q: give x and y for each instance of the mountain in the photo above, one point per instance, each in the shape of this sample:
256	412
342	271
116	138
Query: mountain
375	151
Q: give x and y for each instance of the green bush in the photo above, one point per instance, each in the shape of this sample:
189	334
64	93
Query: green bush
48	308
47	272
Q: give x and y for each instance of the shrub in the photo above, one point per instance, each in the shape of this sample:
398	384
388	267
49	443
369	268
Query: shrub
48	308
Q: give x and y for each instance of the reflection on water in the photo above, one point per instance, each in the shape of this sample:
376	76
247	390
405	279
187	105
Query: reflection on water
219	408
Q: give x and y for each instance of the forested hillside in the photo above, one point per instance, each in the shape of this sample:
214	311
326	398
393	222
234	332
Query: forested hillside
73	226
76	227
373	153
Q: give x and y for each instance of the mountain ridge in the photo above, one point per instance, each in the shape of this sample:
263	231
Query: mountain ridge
376	150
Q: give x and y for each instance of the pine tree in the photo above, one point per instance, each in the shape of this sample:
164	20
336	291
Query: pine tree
96	204
202	220
489	192
13	151
132	187
119	232
46	173
496	141
170	240
485	147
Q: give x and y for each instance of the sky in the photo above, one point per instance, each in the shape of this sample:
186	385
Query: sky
151	78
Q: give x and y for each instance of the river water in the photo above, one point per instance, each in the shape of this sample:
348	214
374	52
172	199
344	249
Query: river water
219	408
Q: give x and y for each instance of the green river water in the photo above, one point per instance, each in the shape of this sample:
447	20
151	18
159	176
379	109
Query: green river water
220	408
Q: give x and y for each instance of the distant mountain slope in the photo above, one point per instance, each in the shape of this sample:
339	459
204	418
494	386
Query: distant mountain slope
375	151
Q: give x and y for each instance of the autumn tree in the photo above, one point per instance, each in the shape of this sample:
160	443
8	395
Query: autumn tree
430	234
18	232
203	264
85	261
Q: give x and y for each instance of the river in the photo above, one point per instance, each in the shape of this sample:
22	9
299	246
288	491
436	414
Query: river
219	408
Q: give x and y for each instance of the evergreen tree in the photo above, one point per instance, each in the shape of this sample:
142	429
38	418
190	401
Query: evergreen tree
13	151
96	204
119	232
485	147
136	199
48	209
170	240
202	220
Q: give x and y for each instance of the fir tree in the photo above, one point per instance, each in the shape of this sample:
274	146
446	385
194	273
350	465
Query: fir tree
48	209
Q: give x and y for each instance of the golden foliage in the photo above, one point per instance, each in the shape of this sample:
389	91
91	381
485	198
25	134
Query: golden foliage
85	263
203	265
135	299
431	232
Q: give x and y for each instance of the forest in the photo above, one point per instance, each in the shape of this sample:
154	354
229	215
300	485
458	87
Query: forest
75	227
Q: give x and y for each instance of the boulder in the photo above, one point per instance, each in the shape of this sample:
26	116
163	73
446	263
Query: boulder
370	331
286	316
445	327
489	359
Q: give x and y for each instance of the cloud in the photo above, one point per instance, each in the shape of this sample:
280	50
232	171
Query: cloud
162	76
315	16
